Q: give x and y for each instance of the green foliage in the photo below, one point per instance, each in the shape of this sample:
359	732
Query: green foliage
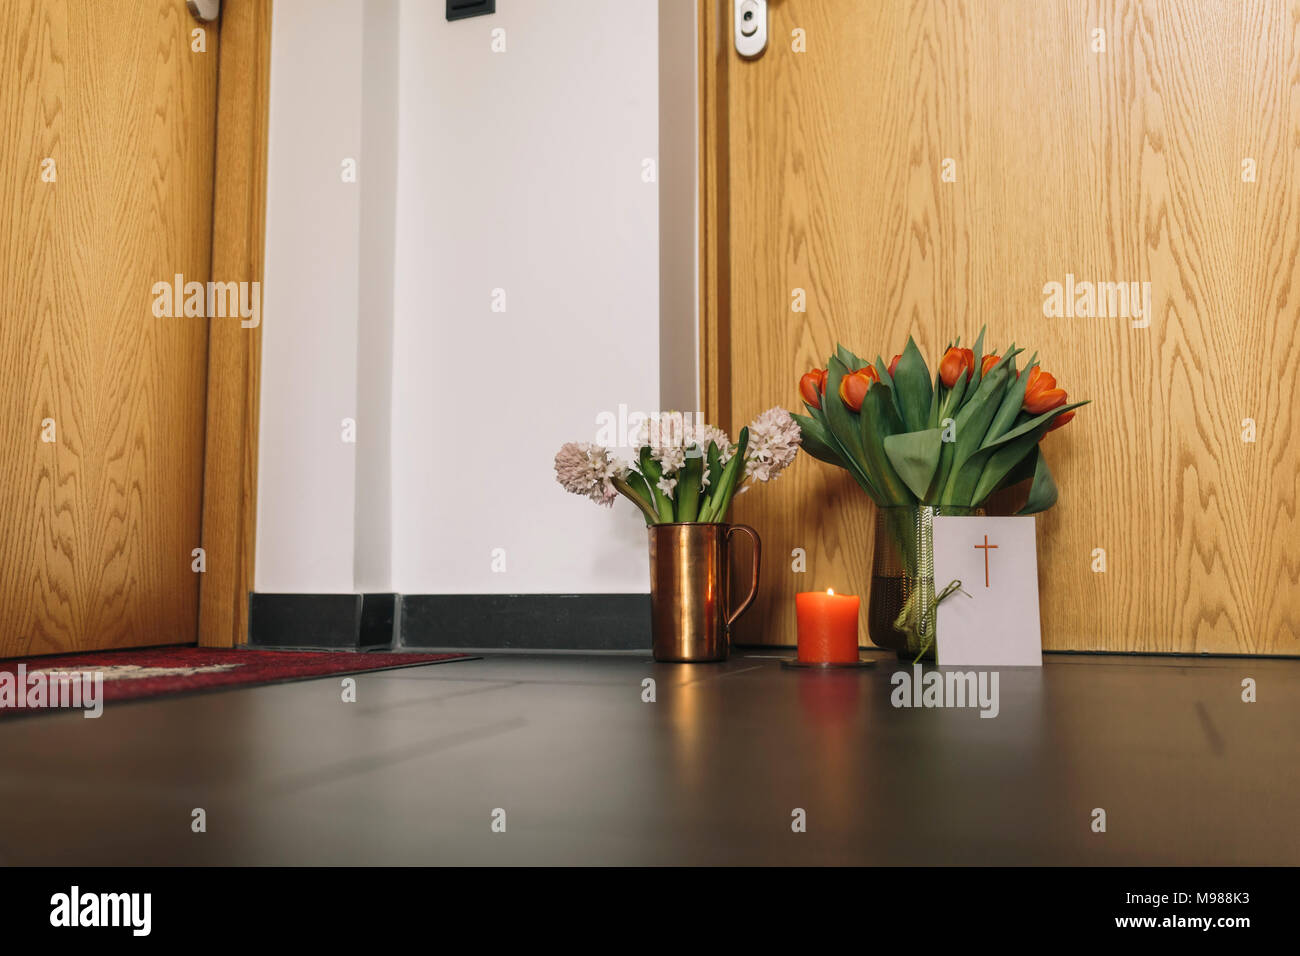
719	500
688	488
915	457
895	447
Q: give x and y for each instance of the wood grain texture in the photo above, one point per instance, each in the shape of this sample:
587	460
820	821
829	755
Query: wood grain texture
98	526
1119	166
234	365
713	34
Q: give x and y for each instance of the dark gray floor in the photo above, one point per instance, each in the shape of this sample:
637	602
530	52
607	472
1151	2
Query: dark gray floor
710	773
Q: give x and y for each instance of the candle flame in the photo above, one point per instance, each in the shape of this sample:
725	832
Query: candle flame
830	590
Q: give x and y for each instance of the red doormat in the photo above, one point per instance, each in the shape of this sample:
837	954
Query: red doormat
86	681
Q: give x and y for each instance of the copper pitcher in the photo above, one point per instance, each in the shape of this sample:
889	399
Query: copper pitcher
690	586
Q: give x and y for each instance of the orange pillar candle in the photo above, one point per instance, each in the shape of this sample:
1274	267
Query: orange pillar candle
828	627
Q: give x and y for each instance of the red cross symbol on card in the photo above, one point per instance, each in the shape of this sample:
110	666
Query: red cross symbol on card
986	547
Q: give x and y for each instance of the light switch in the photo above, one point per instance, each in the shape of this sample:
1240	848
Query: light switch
460	9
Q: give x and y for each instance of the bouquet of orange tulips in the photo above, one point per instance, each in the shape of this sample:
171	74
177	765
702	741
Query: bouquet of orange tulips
952	439
921	446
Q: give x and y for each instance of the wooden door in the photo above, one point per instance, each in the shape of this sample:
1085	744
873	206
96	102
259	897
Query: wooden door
106	163
928	167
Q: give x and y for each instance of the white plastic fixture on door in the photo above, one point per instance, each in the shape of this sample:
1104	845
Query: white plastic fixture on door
205	11
751	26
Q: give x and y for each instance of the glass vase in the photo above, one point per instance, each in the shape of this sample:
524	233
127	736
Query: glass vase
901	609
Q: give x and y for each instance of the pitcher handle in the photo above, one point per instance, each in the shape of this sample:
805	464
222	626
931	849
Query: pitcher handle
753	581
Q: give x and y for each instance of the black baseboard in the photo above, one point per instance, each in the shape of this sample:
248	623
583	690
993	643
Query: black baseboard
558	622
570	622
327	621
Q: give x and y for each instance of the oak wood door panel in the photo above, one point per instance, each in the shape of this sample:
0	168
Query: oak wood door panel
1170	157
97	525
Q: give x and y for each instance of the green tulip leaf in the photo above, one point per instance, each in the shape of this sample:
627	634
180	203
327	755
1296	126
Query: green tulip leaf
912	388
845	428
945	409
915	456
887	381
1006	453
1011	401
879	420
999	463
1023	470
972	422
944	471
817	441
963	479
957	395
1031	424
978	351
847	359
936	392
1042	493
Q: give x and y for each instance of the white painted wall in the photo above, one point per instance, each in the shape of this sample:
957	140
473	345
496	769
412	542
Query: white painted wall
306	473
376	253
679	215
519	170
